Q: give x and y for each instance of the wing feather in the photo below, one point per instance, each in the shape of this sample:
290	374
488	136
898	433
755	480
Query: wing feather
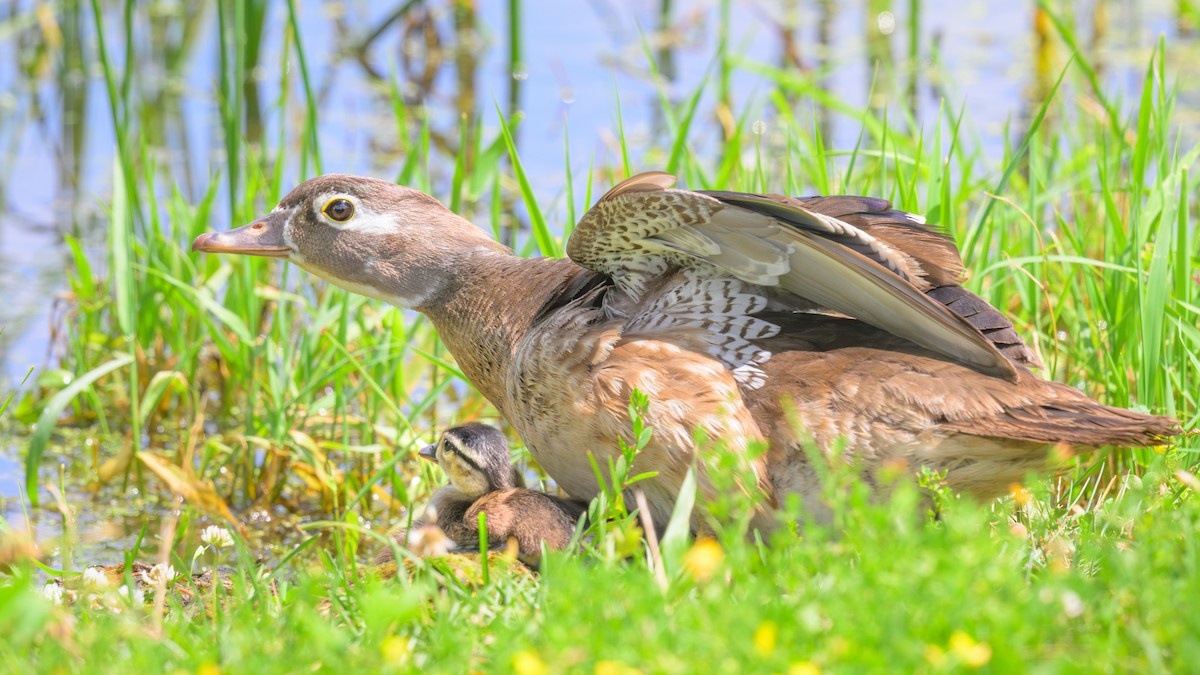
927	256
642	229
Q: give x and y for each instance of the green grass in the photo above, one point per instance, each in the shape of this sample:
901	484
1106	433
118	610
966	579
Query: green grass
245	385
1111	589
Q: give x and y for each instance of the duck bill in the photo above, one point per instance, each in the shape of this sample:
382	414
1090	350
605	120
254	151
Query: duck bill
428	453
263	237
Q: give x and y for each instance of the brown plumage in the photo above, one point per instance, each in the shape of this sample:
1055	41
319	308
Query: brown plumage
475	458
931	258
752	318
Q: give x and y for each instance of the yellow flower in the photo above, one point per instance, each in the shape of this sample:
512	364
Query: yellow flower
765	637
396	649
973	654
608	667
1019	494
527	662
703	559
935	655
804	668
208	669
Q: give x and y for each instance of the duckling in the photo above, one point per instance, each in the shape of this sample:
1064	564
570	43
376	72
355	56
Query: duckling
752	319
483	479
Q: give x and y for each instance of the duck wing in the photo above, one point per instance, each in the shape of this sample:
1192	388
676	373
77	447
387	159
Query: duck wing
643	230
906	244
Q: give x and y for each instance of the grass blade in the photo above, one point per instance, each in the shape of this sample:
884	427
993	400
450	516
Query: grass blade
50	414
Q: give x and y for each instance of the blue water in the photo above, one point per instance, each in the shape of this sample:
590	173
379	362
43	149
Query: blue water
577	57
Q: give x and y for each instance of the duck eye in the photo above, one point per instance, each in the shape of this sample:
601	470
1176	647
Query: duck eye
339	209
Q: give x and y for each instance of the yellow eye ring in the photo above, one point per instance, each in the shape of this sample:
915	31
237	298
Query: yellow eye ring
338	209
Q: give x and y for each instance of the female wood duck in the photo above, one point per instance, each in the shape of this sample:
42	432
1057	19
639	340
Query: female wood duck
831	321
475	458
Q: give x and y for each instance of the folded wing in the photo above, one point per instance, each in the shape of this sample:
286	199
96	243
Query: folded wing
850	255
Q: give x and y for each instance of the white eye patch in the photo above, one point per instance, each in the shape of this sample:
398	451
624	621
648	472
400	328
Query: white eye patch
364	220
286	232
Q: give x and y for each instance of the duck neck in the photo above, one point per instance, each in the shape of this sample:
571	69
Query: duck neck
490	305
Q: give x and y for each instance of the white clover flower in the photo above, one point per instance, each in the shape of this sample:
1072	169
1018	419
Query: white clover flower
96	600
217	537
94	577
160	575
1072	604
429	541
53	592
139	597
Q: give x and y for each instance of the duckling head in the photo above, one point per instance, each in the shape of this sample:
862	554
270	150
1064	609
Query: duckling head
368	236
475	458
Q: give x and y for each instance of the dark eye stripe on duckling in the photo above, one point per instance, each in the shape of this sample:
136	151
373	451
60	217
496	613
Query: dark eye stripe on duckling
452	444
485	449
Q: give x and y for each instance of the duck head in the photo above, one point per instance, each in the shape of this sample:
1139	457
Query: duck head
475	458
368	236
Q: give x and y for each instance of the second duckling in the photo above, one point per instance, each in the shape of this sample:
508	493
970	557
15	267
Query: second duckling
475	458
